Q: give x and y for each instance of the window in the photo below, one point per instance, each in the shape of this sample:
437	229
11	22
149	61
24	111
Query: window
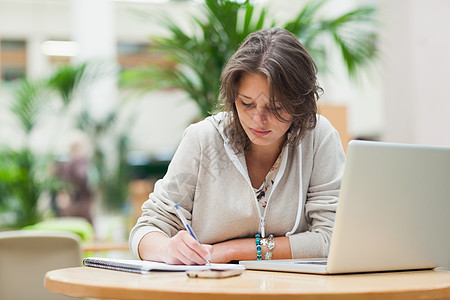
132	55
13	59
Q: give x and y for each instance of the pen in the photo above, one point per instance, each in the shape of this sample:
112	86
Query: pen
188	228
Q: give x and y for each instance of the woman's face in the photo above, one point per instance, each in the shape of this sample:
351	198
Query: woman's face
255	112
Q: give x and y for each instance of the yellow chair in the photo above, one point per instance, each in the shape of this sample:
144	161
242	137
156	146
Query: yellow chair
25	257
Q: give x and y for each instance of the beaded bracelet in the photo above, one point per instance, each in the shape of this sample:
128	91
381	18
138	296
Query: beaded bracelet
258	247
269	242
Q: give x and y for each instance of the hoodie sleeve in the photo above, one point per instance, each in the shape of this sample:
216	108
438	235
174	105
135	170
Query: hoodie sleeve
176	187
322	195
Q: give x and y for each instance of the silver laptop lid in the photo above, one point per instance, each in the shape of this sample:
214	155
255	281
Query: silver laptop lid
394	209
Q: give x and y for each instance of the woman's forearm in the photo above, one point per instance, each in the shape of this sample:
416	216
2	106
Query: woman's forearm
181	249
245	249
152	246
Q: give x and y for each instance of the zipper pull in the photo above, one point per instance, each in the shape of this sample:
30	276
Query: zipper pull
261	223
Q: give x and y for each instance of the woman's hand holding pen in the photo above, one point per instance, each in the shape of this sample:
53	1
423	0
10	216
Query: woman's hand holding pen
182	248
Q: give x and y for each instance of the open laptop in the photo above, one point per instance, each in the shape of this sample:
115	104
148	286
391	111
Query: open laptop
393	212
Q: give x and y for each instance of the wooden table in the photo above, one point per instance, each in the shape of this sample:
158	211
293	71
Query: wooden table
106	284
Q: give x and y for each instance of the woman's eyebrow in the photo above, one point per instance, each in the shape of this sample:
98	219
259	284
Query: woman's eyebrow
247	97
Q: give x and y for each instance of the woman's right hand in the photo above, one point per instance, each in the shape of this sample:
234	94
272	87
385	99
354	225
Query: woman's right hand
182	248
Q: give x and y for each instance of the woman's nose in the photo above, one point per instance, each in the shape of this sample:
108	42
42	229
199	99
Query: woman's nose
260	116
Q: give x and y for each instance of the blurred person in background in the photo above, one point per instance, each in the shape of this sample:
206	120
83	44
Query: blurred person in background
76	199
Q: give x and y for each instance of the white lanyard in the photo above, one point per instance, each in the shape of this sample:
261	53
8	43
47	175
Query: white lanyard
281	168
240	167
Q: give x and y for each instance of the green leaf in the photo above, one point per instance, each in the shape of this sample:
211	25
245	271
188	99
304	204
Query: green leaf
200	53
30	100
66	80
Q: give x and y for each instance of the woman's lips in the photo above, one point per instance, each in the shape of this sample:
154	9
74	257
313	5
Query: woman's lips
260	132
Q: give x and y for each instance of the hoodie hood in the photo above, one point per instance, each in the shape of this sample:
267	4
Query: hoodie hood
220	121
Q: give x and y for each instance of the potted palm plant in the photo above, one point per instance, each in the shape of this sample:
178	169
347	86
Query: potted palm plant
24	175
21	178
199	54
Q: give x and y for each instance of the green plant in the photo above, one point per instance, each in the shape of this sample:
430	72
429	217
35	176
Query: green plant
200	53
353	33
106	136
24	174
22	181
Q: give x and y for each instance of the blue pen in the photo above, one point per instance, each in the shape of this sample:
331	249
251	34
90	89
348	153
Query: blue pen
188	228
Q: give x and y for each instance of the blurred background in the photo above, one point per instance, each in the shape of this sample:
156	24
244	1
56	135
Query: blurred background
95	94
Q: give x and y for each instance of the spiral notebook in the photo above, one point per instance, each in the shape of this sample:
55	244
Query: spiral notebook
145	267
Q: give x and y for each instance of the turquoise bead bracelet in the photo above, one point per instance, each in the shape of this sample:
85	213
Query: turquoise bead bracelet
258	247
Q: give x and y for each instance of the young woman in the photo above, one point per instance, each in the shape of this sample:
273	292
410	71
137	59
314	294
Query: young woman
259	180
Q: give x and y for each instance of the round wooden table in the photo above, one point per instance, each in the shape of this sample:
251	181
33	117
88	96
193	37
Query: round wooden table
107	284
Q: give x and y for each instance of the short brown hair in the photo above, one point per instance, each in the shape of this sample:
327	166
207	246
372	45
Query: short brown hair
291	73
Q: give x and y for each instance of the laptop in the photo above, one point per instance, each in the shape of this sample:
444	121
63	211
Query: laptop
393	213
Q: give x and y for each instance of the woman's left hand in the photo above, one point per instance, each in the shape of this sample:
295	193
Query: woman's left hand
245	249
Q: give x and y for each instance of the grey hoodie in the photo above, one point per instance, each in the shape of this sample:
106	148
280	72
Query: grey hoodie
210	182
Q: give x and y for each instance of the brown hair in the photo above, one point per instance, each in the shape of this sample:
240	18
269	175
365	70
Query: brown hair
291	73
